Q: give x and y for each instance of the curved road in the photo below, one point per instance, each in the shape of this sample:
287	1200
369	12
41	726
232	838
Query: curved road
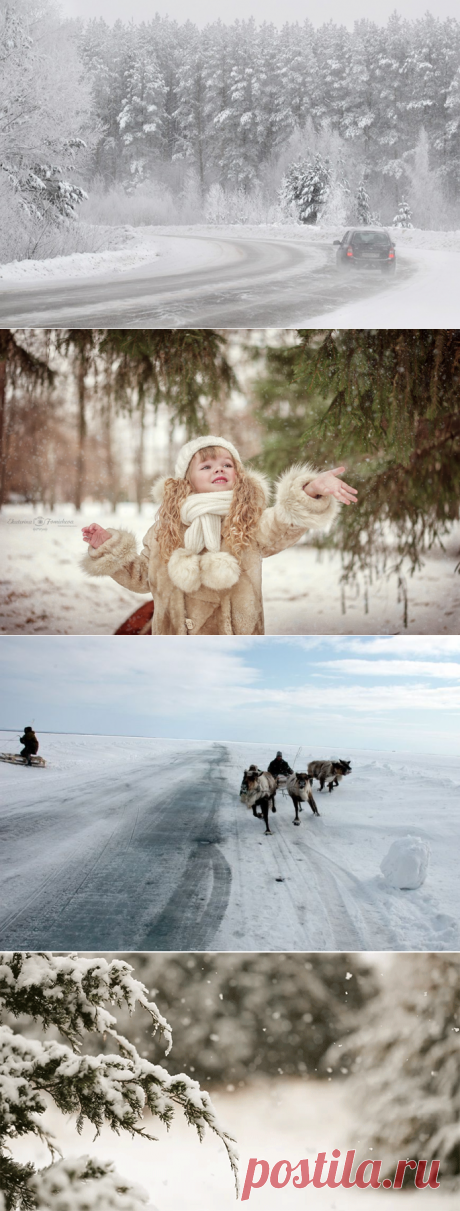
253	282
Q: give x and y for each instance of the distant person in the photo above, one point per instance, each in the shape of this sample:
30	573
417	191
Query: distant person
31	745
202	558
279	767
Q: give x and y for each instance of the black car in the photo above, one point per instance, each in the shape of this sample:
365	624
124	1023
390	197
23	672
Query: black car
366	248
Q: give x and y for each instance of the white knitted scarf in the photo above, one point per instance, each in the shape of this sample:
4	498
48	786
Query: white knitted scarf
201	512
200	561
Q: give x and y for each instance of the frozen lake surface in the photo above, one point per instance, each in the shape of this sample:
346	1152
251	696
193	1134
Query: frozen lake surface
127	843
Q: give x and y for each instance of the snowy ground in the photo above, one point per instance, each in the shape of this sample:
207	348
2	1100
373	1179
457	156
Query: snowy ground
138	844
236	276
44	591
274	1120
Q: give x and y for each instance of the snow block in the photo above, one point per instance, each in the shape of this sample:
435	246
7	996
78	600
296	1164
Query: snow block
406	863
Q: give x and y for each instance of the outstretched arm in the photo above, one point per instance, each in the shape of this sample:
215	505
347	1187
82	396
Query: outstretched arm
296	509
328	484
114	553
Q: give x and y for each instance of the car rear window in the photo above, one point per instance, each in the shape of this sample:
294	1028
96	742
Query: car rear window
370	237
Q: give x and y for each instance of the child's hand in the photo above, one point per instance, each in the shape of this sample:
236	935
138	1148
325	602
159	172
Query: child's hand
95	535
327	484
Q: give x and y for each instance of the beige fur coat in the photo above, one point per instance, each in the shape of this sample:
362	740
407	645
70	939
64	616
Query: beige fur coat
234	611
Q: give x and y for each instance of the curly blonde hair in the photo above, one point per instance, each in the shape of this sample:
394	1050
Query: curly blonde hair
247	506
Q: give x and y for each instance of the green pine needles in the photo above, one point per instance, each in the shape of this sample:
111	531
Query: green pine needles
72	994
386	401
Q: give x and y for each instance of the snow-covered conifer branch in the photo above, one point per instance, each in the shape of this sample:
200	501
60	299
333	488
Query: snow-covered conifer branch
70	993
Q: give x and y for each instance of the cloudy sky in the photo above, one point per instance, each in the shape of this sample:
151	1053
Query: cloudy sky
395	693
202	11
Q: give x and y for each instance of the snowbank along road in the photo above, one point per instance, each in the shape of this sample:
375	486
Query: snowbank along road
138	844
244	281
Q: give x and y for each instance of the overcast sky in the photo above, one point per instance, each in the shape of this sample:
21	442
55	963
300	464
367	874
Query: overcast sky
396	693
202	11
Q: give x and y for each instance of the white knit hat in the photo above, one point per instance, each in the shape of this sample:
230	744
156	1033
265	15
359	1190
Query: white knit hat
185	455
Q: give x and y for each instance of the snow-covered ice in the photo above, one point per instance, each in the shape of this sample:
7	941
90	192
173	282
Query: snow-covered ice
274	1119
44	590
137	844
406	863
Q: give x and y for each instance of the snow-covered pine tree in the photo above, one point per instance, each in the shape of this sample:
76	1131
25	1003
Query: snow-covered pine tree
403	218
363	205
305	187
70	994
406	1058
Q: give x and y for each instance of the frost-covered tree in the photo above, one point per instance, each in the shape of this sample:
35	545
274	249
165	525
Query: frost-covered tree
44	109
425	193
69	995
363	205
403	218
305	188
406	1059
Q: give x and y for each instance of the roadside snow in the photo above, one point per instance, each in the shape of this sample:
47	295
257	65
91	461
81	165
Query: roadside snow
95	823
275	1119
44	590
79	264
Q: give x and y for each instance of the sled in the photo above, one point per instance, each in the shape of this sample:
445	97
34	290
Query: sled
16	759
139	623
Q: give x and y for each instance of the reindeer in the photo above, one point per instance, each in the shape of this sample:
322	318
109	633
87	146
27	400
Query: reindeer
258	789
333	770
299	788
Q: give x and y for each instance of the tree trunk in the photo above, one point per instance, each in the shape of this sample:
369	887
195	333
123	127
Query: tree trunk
141	456
81	433
2	431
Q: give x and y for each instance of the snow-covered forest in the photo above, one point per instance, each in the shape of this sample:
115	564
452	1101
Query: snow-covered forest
162	122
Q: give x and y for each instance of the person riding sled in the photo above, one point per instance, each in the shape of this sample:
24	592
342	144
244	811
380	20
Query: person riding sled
279	768
31	745
202	558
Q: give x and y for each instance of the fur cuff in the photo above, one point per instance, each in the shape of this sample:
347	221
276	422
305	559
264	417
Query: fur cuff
114	554
219	570
294	508
184	570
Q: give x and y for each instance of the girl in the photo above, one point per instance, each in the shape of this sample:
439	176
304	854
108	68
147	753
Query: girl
202	558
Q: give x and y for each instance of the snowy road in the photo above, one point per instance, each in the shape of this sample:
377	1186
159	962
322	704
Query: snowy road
137	844
202	281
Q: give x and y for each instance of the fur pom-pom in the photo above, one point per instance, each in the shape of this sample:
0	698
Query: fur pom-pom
219	569
184	570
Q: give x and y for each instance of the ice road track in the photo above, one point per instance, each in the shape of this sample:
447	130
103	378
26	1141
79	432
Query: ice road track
156	852
245	282
140	869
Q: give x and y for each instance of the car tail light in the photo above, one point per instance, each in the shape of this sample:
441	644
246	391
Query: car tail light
391	254
349	252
